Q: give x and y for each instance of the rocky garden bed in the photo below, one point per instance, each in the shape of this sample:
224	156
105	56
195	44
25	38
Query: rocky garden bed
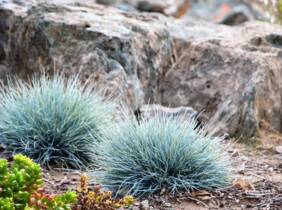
140	105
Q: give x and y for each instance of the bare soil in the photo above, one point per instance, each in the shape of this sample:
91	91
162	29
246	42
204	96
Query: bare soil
257	182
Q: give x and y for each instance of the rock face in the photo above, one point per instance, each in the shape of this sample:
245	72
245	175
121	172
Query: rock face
112	50
228	12
150	110
232	74
107	2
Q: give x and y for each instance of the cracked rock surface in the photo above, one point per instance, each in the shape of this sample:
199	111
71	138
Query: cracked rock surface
232	74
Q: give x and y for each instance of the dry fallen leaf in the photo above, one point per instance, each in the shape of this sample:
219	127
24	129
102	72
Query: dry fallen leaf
243	184
182	9
202	195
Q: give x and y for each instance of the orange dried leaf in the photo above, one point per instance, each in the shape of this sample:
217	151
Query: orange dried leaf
243	184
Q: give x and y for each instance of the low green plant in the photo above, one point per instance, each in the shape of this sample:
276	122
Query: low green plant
6	204
43	201
54	121
170	153
20	188
19	181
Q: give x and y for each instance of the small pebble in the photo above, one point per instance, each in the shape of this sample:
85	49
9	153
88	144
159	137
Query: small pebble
145	205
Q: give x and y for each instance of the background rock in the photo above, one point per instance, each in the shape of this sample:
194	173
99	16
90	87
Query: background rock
229	12
107	2
150	110
233	74
112	50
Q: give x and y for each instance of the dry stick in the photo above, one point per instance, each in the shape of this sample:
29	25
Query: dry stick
199	201
49	182
174	53
258	176
278	198
224	188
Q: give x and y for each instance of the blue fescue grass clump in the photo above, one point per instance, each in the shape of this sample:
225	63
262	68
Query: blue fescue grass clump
145	157
53	120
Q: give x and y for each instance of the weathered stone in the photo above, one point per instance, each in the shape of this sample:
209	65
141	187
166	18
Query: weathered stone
278	149
155	5
238	15
229	12
233	74
145	205
150	110
82	38
106	2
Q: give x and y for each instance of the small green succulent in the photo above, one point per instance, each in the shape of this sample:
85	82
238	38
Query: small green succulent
21	188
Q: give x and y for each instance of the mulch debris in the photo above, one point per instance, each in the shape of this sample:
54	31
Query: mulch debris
257	184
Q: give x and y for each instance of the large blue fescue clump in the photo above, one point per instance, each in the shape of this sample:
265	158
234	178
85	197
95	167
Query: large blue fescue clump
162	153
53	120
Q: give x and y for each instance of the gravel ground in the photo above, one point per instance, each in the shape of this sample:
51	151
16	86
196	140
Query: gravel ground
257	182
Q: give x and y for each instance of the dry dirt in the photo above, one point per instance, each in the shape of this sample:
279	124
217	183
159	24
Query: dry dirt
257	182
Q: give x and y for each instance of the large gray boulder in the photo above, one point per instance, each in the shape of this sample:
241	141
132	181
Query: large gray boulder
112	48
231	74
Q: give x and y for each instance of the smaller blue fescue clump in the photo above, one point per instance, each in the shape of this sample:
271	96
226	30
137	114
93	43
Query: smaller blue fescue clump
142	158
54	121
